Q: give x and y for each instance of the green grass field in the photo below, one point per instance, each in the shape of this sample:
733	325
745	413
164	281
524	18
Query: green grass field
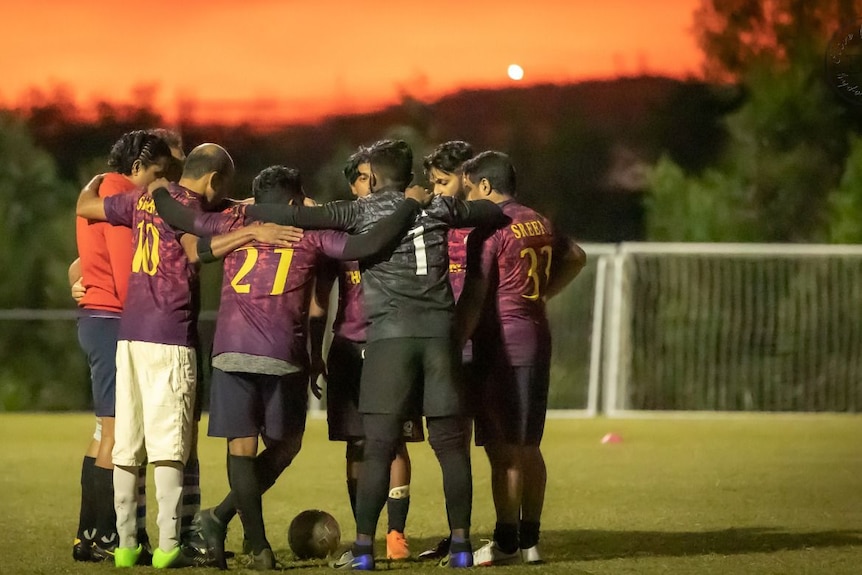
739	494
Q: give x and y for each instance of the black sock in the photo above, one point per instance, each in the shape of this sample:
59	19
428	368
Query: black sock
191	502
459	545
397	510
106	516
246	489
87	514
506	536
361	549
141	512
351	493
529	534
269	466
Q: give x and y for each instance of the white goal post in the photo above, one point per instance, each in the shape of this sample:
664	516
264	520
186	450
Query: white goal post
733	327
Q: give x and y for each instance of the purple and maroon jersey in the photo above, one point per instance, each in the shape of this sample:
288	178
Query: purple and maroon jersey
266	291
162	303
457	273
350	320
458	259
518	256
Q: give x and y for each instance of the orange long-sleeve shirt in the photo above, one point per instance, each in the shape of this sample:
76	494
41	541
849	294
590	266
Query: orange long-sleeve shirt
106	254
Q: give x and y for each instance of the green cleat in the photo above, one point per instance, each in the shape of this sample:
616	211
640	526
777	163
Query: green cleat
126	557
165	559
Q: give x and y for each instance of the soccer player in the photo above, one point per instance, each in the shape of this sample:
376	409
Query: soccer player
260	358
443	170
342	390
410	356
513	270
101	275
156	362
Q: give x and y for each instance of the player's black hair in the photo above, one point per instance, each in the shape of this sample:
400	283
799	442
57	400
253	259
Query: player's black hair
351	168
208	158
392	163
496	167
134	146
448	157
174	170
173	138
277	185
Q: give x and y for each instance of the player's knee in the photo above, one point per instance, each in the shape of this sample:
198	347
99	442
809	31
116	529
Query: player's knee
446	434
380	449
285	450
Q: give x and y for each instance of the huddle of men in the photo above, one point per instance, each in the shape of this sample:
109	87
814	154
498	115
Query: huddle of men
402	349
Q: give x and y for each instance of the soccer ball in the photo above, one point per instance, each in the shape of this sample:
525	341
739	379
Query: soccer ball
313	534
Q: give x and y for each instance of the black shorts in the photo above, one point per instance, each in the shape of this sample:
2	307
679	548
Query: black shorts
511	405
98	338
251	404
344	368
411	376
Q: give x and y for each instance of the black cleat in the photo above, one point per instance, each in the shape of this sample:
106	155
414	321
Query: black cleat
82	550
263	561
438	552
102	552
208	537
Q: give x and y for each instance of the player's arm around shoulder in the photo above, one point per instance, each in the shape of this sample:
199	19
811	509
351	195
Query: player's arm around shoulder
569	260
473	214
90	205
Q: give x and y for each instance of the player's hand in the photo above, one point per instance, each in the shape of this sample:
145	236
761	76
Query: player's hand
308	202
276	235
156	184
317	369
78	290
419	194
93	185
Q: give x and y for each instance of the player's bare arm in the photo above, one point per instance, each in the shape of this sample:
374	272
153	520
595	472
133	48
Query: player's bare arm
90	205
569	260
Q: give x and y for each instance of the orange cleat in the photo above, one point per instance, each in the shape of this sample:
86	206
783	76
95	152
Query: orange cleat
396	546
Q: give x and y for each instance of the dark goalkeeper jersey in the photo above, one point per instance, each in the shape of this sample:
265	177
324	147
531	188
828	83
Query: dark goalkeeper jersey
406	290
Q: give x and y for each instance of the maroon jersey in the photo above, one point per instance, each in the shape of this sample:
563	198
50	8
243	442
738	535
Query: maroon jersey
458	271
350	320
458	259
163	299
266	291
517	261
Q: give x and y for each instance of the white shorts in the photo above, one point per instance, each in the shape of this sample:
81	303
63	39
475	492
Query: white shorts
155	402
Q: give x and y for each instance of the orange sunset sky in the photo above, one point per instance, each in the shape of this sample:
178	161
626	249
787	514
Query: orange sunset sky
301	59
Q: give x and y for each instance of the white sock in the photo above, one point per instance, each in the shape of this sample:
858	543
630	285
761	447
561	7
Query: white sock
169	491
125	504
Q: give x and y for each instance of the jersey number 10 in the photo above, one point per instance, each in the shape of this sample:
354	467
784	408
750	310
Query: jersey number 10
146	256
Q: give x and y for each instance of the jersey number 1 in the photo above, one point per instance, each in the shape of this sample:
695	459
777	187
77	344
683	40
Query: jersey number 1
419	248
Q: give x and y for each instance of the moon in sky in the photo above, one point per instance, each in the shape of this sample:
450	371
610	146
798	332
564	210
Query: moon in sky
515	72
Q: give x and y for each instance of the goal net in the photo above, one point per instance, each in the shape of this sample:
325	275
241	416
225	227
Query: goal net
733	327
